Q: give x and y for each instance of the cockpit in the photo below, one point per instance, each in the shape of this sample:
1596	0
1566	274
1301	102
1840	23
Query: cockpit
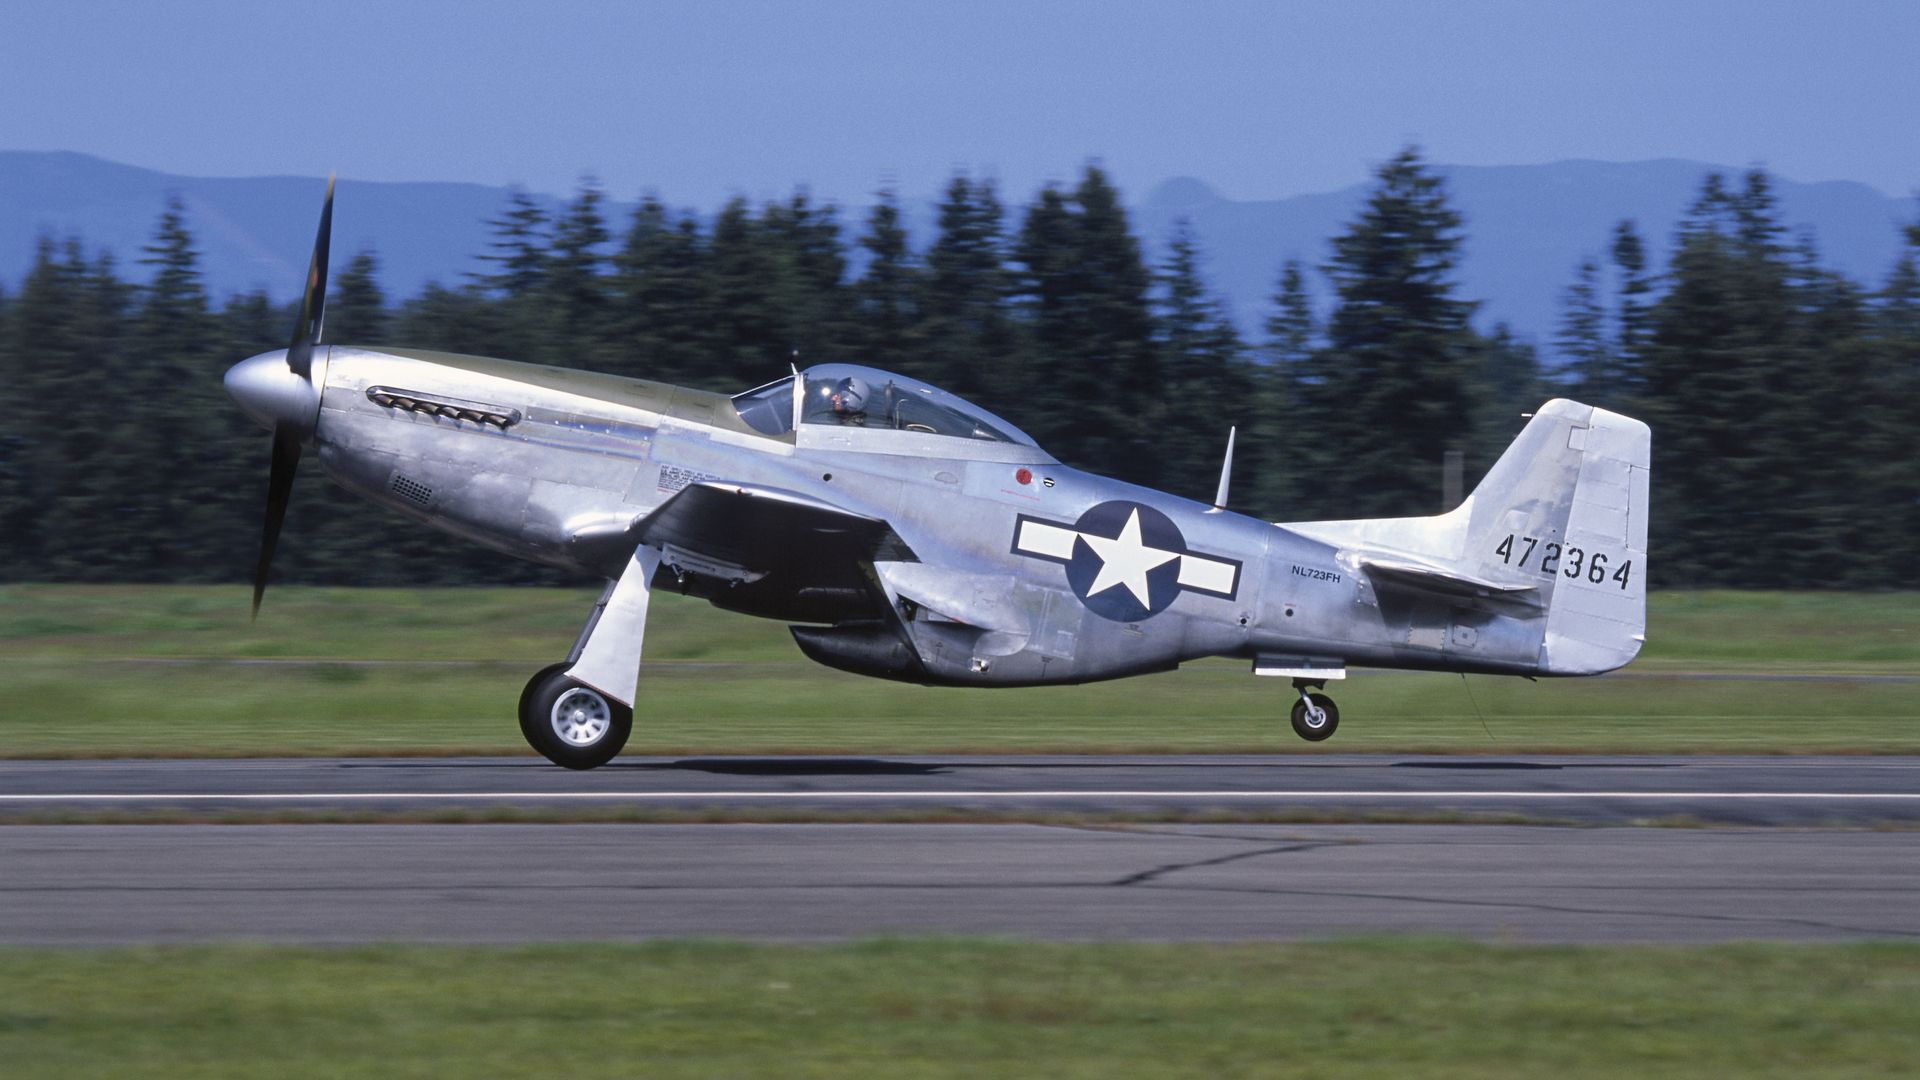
855	398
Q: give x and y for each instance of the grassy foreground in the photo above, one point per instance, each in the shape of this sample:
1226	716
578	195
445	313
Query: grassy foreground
105	671
962	1008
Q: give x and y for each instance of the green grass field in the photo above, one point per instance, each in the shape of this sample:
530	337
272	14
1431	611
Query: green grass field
104	671
963	1009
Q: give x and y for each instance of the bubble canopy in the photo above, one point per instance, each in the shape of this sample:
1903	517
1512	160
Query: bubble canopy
852	396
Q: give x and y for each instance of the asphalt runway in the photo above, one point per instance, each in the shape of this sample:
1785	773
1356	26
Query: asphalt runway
1797	791
100	884
120	884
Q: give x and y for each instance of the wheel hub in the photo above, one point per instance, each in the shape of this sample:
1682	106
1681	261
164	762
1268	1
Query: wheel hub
581	717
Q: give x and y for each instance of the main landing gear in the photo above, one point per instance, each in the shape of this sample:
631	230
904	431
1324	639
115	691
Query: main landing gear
1315	717
577	713
570	723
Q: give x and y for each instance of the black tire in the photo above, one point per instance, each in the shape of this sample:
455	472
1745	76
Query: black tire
526	697
1308	729
570	723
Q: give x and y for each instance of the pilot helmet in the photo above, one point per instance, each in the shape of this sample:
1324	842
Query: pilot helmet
850	396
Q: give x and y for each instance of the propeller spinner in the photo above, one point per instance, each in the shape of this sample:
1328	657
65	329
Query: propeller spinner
277	390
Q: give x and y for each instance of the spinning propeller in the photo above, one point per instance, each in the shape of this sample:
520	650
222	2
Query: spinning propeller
277	390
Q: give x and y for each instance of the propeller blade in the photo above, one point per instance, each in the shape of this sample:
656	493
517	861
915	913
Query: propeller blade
313	301
286	459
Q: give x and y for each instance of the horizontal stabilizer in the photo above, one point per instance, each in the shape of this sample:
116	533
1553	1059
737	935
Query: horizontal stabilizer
1407	573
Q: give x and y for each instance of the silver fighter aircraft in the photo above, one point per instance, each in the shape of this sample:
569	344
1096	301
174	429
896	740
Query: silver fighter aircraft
911	535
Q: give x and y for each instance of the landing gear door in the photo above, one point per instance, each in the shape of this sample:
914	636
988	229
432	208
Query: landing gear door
607	656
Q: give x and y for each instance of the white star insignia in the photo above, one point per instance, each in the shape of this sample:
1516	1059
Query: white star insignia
1125	560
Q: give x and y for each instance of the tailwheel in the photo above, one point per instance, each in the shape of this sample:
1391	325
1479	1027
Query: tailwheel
1315	717
570	723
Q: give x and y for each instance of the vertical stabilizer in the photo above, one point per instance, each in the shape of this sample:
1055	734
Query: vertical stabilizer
1565	510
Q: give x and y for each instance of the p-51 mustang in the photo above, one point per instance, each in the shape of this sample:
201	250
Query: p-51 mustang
910	535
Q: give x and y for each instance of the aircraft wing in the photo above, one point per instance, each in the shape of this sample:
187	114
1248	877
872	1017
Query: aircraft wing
774	551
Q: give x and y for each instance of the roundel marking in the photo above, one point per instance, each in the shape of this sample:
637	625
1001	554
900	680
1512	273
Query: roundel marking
1126	561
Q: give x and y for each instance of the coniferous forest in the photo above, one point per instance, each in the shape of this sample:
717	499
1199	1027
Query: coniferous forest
1783	396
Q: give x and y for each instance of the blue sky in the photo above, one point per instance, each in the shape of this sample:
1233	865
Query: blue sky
698	101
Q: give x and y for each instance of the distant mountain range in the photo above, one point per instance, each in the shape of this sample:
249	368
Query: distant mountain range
1527	226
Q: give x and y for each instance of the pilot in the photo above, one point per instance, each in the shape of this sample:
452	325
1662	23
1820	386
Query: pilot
849	401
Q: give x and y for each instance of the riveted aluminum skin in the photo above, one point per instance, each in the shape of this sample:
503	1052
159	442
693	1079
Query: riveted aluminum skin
920	555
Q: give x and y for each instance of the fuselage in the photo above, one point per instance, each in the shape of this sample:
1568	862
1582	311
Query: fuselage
1025	571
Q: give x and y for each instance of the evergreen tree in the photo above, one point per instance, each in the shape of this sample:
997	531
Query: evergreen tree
12	454
1583	339
813	307
1098	388
1634	289
252	323
1830	512
1897	307
1208	387
16	504
67	413
751	339
1119	321
666	314
575	288
356	307
1697	378
519	247
1385	396
96	503
887	296
174	527
517	323
1293	335
970	342
1740	373
174	316
1894	415
454	320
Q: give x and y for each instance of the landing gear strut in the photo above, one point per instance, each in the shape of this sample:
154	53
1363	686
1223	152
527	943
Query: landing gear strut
1314	716
570	723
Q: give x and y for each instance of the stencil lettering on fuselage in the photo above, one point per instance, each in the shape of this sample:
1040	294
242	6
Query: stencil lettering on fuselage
1126	561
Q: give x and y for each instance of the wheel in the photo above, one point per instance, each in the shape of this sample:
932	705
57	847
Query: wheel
1317	724
570	723
526	699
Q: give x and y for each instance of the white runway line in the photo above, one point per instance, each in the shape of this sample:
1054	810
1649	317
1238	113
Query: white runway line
930	795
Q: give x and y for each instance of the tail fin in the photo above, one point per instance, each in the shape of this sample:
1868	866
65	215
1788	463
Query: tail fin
1562	516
